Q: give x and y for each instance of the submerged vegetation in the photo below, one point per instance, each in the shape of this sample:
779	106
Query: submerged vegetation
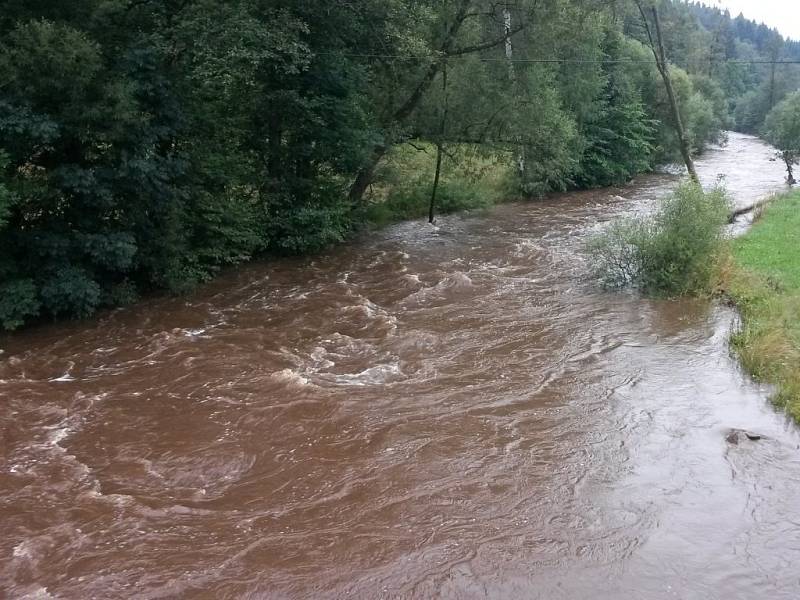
145	144
764	281
675	252
682	249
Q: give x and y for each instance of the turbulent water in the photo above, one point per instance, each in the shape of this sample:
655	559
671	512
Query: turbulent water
449	413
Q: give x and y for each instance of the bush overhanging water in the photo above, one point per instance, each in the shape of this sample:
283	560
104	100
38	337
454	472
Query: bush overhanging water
673	252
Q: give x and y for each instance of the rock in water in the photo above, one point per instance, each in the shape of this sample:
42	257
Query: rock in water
734	435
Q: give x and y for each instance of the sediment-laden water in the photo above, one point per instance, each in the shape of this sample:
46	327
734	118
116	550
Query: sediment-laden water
451	413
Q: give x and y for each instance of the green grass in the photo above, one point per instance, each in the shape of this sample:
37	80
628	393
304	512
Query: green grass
470	180
764	281
772	247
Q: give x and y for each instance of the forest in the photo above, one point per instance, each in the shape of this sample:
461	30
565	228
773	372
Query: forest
146	144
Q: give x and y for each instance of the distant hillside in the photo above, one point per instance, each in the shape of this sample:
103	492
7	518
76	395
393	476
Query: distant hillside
759	35
754	88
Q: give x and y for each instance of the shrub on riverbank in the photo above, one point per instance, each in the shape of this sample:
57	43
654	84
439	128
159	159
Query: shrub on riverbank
673	252
765	284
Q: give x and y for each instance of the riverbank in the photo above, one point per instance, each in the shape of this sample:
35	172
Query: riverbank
764	282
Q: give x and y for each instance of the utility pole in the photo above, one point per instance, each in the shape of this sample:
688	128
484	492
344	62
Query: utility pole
439	148
657	46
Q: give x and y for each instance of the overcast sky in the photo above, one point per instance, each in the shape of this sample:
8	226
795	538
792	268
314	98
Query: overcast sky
781	14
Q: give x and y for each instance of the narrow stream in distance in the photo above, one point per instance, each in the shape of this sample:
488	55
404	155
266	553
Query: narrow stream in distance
422	414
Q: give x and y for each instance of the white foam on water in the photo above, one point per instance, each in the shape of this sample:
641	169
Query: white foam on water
38	593
194	332
23	550
527	247
55	437
118	500
319	357
457	280
298	295
377	260
454	282
291	378
377	315
65	377
378	375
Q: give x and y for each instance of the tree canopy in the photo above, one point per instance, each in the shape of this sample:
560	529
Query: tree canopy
145	144
782	130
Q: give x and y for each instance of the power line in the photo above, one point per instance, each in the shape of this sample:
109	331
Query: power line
489	59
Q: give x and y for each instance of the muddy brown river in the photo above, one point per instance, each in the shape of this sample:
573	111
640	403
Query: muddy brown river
451	413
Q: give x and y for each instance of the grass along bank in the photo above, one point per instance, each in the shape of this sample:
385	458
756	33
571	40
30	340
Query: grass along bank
764	282
470	179
682	250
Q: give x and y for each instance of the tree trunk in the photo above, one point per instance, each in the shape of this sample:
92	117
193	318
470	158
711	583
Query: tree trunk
789	160
660	54
366	173
751	208
432	208
439	147
509	46
673	101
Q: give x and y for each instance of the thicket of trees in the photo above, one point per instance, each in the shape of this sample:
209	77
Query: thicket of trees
782	130
144	144
744	57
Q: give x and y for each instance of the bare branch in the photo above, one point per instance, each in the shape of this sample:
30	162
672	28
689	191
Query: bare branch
489	44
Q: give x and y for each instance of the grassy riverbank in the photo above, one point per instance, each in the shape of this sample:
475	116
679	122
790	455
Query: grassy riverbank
470	180
764	281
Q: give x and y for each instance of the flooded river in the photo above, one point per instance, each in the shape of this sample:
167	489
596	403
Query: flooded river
455	413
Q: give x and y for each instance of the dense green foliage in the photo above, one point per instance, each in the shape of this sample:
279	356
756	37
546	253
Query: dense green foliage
145	144
765	283
673	252
782	130
470	180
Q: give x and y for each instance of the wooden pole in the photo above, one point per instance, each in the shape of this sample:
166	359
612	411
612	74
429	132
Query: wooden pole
439	149
660	54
